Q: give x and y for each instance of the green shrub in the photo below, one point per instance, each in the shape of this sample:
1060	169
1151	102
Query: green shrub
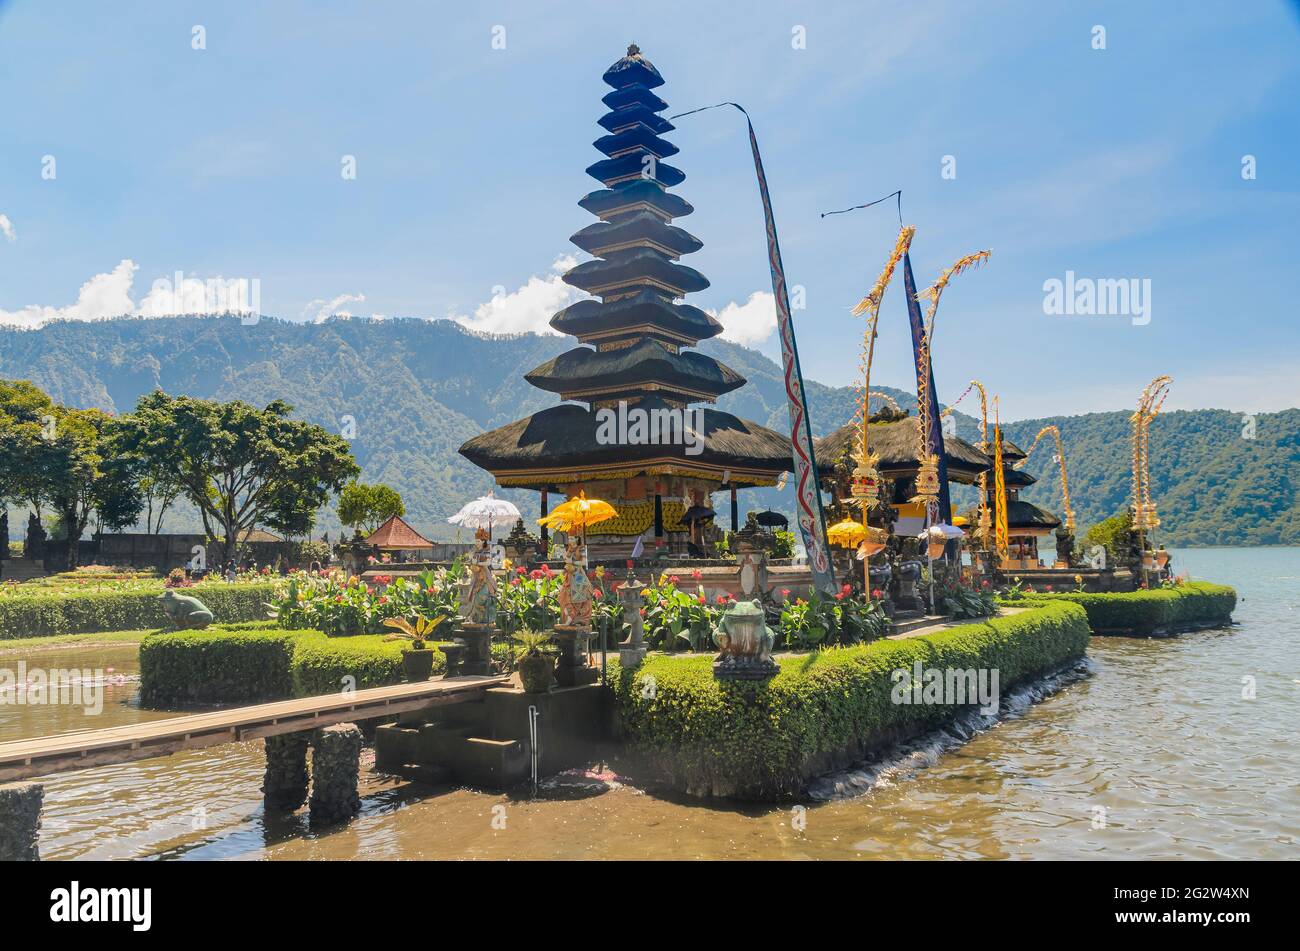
88	612
764	740
256	663
1179	607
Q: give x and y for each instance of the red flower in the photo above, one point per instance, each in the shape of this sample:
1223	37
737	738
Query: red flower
841	596
338	598
877	594
1048	587
514	582
383	599
672	579
521	570
598	593
846	590
721	599
536	574
785	592
702	599
696	574
629	562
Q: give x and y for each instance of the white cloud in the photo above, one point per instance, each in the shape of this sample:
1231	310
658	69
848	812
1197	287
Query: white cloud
528	309
109	295
104	295
7	228
320	309
749	323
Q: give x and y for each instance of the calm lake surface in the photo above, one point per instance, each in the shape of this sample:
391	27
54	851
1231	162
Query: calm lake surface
1150	751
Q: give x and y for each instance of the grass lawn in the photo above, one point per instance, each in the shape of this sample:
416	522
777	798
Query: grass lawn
72	640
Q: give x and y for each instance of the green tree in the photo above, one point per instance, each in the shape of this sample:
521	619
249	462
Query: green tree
80	475
26	416
241	466
1116	535
368	506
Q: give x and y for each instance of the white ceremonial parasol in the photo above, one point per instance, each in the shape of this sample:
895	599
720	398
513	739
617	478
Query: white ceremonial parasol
484	513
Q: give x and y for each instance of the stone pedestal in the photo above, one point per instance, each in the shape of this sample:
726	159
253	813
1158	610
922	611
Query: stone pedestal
284	786
478	648
455	654
20	821
571	669
335	774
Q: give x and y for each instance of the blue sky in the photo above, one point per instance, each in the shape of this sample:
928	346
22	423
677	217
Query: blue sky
1123	162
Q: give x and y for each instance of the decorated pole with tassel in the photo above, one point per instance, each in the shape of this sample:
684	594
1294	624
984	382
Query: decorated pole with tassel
811	519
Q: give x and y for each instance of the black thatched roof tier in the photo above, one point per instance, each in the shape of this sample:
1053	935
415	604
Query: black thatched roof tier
1010	451
648	365
637	137
559	445
629	197
634	269
1022	514
633	95
627	167
646	313
621	119
633	69
895	444
641	229
1017	478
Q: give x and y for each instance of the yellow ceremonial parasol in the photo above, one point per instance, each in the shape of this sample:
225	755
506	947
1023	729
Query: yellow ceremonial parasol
848	533
578	513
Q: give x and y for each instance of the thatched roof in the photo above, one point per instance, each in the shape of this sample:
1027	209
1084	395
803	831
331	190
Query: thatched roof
396	535
644	311
583	370
895	444
1017	478
1023	515
559	445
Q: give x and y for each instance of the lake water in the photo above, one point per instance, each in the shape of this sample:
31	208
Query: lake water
1149	750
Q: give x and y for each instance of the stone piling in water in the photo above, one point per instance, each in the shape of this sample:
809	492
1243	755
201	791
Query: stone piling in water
20	821
335	773
284	787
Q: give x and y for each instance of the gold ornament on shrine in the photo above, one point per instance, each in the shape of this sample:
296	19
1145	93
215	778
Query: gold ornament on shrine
927	480
864	484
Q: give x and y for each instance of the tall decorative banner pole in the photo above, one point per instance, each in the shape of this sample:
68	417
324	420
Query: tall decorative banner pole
1060	458
812	521
1001	533
866	478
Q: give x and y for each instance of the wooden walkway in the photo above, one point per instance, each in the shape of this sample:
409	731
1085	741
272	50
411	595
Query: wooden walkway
39	756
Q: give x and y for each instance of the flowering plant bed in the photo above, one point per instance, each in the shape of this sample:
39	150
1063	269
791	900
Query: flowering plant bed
343	605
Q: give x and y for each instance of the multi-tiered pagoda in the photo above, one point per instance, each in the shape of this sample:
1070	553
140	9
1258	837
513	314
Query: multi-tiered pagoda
634	331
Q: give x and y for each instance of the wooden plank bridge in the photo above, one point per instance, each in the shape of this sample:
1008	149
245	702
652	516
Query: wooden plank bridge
40	756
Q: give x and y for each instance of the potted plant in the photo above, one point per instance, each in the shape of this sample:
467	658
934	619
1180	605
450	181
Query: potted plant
535	665
417	661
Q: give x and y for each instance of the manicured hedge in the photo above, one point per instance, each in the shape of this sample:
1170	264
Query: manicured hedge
88	612
258	663
765	740
1156	611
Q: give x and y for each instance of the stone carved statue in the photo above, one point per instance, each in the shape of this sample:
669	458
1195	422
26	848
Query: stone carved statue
185	611
479	604
575	591
745	643
1065	546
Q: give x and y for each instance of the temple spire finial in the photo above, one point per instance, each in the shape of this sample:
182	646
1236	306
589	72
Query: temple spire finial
633	50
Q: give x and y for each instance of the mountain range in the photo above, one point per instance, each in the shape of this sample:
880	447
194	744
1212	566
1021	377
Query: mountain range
413	390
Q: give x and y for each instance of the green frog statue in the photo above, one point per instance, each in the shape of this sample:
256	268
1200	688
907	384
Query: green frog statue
185	611
745	643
